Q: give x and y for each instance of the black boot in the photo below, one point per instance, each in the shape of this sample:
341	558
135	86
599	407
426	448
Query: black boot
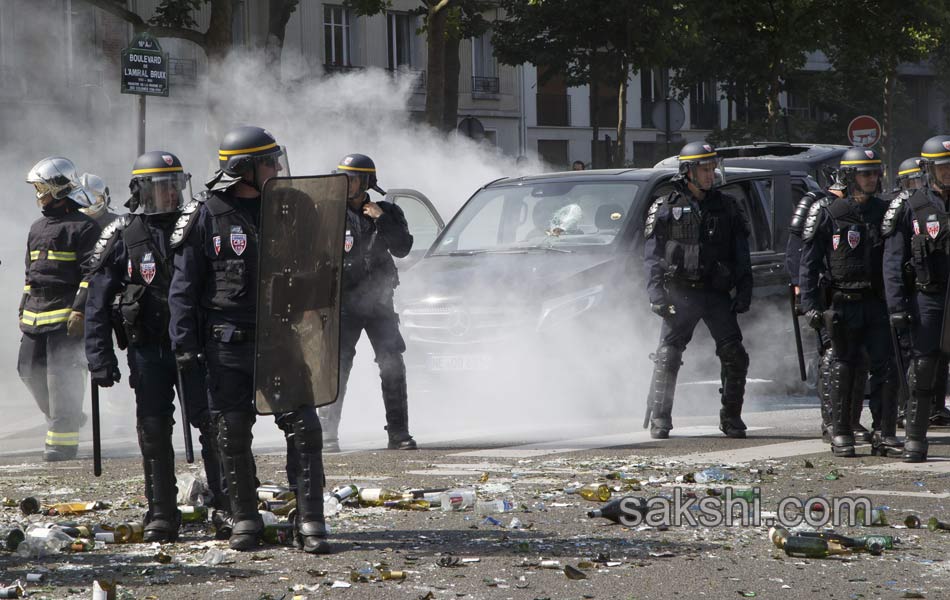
841	388
921	379
158	460
735	366
311	531
292	464
885	442
392	373
824	394
667	362
211	458
237	461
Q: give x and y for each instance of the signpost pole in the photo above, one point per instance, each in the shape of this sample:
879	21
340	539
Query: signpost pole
141	124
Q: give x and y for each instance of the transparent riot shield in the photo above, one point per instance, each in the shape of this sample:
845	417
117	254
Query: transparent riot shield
297	358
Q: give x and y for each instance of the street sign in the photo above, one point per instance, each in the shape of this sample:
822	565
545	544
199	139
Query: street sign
144	67
864	131
677	114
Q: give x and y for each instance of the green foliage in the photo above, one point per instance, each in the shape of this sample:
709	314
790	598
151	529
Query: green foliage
176	13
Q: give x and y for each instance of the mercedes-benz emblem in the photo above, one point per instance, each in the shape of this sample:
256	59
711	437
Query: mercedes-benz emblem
460	323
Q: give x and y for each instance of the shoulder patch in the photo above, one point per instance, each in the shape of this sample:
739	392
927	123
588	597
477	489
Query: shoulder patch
891	216
185	221
107	239
651	218
811	222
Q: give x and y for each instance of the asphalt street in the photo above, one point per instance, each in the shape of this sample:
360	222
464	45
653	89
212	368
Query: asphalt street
463	555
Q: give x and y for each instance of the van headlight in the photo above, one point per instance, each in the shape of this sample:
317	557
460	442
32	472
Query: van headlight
564	308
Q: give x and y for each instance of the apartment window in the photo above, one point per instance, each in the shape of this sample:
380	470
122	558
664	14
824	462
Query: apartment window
336	35
400	26
704	106
554	152
484	67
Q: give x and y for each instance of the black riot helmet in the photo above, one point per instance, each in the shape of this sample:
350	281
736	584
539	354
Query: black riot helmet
159	184
241	150
909	175
694	154
859	159
935	151
361	167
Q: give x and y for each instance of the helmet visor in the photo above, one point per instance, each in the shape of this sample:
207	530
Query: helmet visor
164	193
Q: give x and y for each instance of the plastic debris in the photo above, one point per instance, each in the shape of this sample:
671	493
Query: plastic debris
574	572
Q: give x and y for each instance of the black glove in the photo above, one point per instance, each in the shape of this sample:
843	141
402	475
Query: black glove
740	305
815	319
106	376
187	360
901	321
664	309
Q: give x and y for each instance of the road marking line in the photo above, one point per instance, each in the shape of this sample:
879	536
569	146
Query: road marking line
934	464
754	453
590	443
862	492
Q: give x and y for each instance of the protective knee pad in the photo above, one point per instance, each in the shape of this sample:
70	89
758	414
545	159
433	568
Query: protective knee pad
308	433
155	436
922	379
841	381
824	387
735	359
234	432
391	365
669	359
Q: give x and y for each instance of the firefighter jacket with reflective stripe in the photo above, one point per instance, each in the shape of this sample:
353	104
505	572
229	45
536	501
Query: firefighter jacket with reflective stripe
369	272
59	247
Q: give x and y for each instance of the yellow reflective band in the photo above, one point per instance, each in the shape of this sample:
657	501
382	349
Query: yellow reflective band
158	170
364	170
34	254
871	161
906	171
246	150
54	255
54	438
938	155
26	288
83	285
46	318
692	156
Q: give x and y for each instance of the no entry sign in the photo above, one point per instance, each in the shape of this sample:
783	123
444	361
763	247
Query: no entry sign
864	131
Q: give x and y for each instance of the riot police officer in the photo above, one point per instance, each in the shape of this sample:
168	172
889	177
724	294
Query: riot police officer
917	230
375	232
133	260
909	175
213	303
793	253
100	200
51	311
844	240
696	253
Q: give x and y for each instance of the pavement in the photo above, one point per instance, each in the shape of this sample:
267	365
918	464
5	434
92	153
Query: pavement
461	555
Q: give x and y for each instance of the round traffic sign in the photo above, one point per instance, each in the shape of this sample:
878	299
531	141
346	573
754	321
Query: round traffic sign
864	131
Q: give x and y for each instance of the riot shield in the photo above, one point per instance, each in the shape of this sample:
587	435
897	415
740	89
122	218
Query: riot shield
297	343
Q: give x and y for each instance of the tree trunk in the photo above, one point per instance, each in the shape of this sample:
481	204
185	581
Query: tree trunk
453	66
278	14
772	106
219	41
620	155
435	76
595	162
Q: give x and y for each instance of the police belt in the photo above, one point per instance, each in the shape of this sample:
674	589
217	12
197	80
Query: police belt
231	335
687	283
851	295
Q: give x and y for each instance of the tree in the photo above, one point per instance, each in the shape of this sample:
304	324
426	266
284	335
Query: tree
278	15
890	32
589	43
447	22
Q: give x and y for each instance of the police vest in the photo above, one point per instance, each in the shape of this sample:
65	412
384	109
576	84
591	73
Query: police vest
682	247
852	240
699	248
232	252
144	301
929	244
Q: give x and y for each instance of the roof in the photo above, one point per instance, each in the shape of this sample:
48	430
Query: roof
776	155
644	174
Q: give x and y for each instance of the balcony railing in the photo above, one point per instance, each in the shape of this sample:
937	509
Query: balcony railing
485	87
416	76
183	71
704	115
336	69
554	110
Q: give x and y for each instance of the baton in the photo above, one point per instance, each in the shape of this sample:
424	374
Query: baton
185	423
96	442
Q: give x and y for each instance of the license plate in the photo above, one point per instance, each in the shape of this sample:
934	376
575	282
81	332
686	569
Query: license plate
469	362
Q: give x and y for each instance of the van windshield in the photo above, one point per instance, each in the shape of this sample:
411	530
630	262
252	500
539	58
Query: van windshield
547	216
